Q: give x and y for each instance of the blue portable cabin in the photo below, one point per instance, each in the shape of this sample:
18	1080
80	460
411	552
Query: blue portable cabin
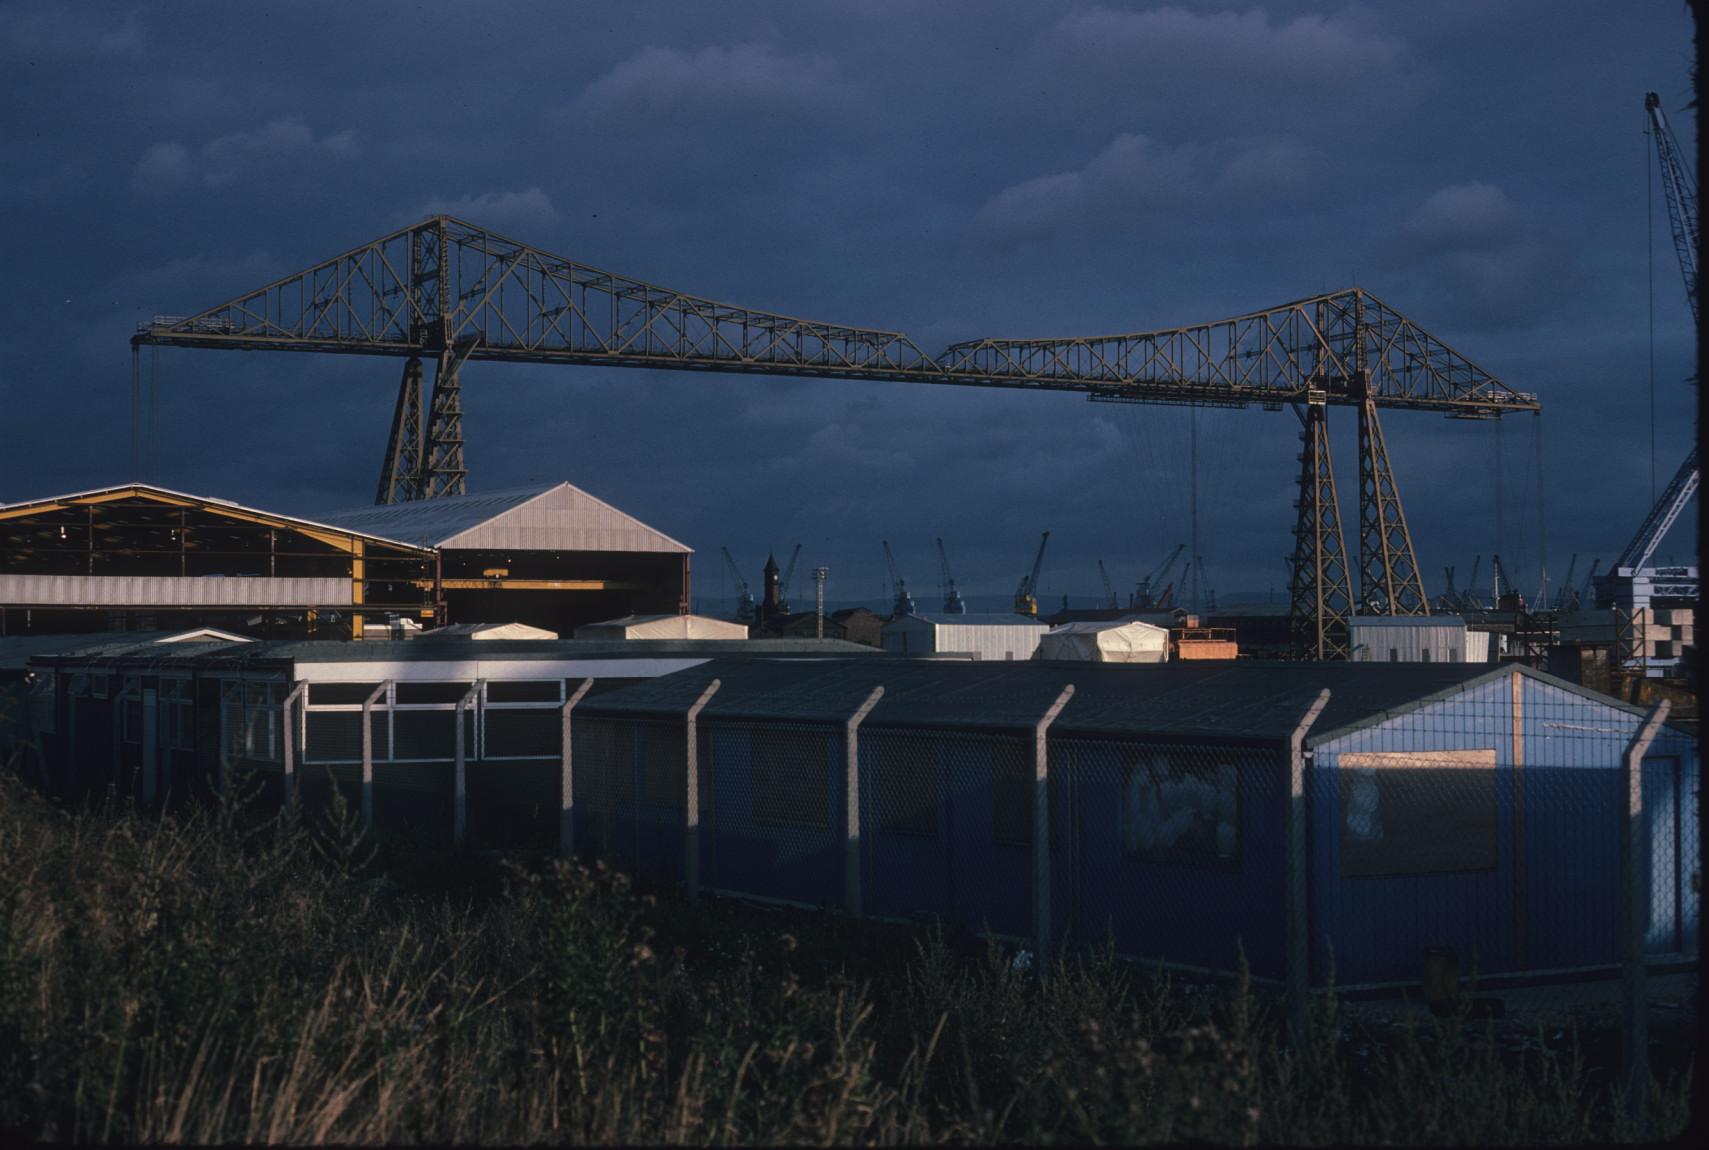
1506	800
1167	804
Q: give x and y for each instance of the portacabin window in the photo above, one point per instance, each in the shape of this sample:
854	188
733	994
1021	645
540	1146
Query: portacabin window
1181	806
602	752
1011	795
907	786
1416	812
176	702
664	765
791	783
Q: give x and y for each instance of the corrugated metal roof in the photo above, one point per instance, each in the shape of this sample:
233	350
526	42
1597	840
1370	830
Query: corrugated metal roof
16	651
210	501
425	649
975	619
1227	701
553	517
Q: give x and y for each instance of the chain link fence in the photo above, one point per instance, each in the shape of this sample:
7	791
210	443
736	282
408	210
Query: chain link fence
1517	843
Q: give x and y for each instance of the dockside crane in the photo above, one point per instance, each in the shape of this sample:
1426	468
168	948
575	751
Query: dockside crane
1147	595
1587	590
1469	600
1507	596
1026	595
783	584
952	598
1449	599
1567	597
902	603
745	605
1680	191
1110	599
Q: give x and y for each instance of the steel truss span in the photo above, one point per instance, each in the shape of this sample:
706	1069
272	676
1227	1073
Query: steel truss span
444	282
446	292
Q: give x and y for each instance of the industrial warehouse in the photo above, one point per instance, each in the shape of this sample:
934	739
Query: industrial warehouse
138	557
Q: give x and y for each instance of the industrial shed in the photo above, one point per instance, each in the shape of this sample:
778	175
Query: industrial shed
1416	639
1474	808
552	556
139	557
986	638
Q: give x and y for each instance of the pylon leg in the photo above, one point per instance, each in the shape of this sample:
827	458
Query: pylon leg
1321	595
1389	582
442	462
400	472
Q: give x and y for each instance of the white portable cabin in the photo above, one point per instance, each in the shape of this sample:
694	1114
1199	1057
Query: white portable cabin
1415	639
986	638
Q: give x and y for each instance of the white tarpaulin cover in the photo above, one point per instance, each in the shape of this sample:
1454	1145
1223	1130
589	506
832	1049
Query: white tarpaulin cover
663	627
1114	642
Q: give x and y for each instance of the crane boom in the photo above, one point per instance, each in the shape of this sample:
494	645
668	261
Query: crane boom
1026	595
745	605
1681	193
1146	596
903	603
952	598
788	574
1564	598
1673	499
1109	588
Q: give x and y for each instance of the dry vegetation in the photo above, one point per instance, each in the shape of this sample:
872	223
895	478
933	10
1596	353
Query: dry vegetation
231	976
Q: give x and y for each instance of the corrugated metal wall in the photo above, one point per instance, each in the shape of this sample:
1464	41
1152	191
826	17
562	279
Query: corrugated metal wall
171	591
984	641
1415	643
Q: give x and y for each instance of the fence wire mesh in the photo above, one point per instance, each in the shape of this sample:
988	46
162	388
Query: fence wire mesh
772	810
1459	847
1172	850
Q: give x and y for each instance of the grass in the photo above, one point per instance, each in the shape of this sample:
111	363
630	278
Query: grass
230	976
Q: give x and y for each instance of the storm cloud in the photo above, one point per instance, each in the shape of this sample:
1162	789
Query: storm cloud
950	170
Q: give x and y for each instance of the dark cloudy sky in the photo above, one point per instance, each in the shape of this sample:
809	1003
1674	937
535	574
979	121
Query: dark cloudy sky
947	169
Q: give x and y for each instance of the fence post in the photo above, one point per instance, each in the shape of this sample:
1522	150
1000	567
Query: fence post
288	737
460	774
150	751
691	797
851	802
121	698
1635	899
368	753
566	781
1041	831
1298	871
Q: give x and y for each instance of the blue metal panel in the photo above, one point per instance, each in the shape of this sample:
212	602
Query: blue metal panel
1552	899
1375	929
1176	912
798	861
658	829
959	872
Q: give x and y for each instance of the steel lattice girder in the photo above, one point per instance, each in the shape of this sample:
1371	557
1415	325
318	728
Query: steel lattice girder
1389	582
1321	596
443	282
